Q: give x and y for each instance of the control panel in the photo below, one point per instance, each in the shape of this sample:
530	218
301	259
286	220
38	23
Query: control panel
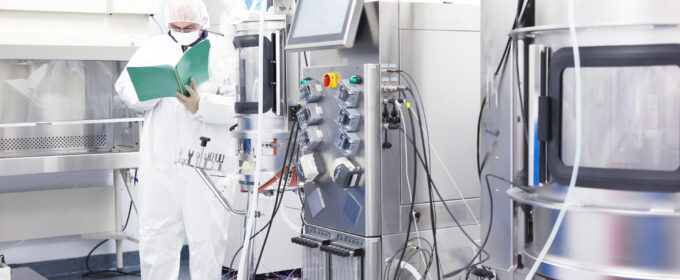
333	119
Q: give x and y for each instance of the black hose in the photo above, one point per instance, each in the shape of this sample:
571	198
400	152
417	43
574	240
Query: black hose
107	273
481	249
486	239
277	204
479	134
427	163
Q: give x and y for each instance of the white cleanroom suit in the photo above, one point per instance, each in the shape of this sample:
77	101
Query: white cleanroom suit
173	202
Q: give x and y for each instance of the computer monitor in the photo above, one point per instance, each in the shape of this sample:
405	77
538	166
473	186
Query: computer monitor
322	24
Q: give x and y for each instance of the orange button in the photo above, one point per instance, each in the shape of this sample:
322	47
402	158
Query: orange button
331	80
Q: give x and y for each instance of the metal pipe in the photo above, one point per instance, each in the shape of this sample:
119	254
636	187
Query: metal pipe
105	121
129	183
533	30
117	184
213	187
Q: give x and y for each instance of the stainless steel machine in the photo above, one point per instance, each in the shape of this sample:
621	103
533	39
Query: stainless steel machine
269	155
623	218
65	116
59	116
356	195
275	120
276	127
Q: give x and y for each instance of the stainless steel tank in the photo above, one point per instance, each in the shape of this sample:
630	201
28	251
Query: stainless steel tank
274	122
624	219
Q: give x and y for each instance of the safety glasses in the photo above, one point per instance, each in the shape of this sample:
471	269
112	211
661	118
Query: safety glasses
186	29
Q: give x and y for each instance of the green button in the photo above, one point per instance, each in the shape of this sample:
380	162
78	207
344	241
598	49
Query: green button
355	80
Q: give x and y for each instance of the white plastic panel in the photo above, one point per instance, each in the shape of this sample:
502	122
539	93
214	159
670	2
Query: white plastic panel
71	36
83	6
40	214
134	6
80	6
461	15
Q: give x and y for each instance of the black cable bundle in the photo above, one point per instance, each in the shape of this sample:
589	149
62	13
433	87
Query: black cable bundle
425	161
481	250
426	166
413	201
519	19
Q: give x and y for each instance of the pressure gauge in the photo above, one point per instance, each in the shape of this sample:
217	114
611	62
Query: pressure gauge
310	114
310	91
348	119
348	142
310	138
348	94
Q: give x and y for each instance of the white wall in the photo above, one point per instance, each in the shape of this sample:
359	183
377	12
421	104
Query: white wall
215	8
58	207
92	30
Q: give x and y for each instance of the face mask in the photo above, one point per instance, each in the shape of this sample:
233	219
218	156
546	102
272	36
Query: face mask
185	38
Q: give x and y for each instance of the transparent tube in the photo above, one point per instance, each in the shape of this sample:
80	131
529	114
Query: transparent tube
244	269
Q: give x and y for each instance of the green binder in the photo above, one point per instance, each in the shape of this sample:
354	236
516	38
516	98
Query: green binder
160	81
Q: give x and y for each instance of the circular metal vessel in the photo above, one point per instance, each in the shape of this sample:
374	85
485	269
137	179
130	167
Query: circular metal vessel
610	231
274	120
606	235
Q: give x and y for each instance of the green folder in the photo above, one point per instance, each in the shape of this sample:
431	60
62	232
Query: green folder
160	81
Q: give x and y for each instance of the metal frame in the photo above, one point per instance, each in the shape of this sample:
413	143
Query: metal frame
344	39
118	235
223	200
67	163
383	41
606	56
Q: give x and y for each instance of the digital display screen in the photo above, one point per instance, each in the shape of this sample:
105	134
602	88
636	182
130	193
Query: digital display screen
320	17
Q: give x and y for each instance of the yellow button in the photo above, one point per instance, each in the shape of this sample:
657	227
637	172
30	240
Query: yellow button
331	80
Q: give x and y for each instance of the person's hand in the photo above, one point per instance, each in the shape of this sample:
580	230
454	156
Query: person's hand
191	102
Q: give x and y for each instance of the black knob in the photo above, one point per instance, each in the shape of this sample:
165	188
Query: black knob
387	143
204	141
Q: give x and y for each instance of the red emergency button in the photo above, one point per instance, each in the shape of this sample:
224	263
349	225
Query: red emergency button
331	80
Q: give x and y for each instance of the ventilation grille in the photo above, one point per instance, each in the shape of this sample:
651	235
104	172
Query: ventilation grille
129	140
52	143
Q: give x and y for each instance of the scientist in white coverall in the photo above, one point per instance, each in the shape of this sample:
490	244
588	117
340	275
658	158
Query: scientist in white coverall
173	203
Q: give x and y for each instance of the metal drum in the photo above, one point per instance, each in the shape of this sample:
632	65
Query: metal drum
274	139
607	235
